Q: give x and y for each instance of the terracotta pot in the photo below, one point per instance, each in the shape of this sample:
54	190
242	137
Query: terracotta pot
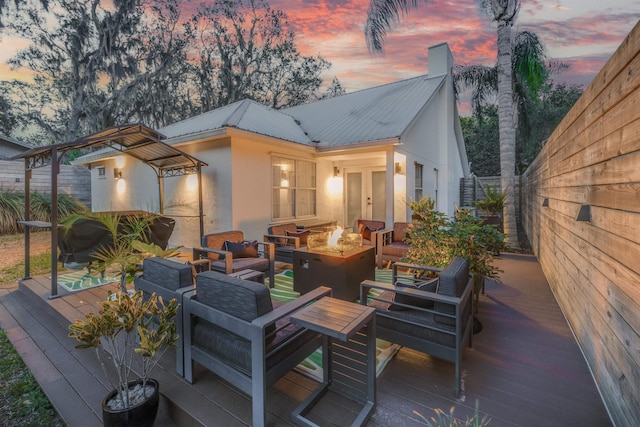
140	415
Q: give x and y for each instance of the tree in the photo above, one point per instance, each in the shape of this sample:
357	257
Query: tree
8	119
90	60
247	51
381	15
482	140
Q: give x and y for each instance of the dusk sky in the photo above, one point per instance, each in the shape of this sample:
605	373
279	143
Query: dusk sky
581	33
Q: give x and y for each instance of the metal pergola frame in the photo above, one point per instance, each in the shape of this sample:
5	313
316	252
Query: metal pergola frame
136	140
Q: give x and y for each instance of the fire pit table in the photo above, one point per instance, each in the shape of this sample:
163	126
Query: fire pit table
340	265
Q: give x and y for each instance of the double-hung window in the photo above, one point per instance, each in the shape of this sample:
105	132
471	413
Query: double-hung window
294	188
418	181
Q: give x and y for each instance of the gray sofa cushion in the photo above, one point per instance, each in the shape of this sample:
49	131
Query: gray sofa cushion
240	298
167	273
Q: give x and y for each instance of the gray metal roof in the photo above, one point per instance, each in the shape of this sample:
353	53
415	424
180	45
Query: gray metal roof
246	115
15	141
373	114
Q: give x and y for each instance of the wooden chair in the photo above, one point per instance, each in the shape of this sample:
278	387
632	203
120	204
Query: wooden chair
368	229
229	252
286	238
232	328
431	315
391	245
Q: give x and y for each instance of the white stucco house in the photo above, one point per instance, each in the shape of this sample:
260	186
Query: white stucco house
359	155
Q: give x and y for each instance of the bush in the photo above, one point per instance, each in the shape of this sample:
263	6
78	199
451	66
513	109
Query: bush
12	208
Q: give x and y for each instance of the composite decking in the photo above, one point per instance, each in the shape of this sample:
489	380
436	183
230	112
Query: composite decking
524	369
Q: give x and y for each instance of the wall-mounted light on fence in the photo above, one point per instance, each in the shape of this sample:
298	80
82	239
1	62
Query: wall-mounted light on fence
117	173
545	202
584	214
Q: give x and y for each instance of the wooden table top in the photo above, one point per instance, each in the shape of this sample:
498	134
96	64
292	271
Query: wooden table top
334	317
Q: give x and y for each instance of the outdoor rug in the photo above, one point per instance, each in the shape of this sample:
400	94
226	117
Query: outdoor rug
312	365
82	279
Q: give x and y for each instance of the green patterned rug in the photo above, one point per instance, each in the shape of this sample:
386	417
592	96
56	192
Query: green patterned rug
312	365
82	279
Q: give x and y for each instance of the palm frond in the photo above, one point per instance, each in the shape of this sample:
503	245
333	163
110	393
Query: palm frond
381	16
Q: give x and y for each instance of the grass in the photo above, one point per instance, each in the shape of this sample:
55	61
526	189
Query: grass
40	264
22	401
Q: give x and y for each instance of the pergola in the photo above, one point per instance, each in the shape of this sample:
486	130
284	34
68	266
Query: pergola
136	140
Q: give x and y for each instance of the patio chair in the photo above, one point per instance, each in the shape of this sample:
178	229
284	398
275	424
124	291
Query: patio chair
286	238
431	315
229	252
391	245
168	279
232	328
368	229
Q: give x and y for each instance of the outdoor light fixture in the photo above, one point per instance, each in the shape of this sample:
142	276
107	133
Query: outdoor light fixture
117	173
398	168
336	171
545	202
584	214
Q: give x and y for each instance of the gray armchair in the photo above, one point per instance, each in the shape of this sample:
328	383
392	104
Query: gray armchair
232	329
229	252
431	315
168	279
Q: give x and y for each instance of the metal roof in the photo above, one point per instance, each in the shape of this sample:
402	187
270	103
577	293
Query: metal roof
135	140
245	115
375	114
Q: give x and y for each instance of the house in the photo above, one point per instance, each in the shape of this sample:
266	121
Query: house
359	155
10	147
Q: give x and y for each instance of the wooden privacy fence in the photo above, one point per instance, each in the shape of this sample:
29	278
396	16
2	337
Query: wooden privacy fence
581	204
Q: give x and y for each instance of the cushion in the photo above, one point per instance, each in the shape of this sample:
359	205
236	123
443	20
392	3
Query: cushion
430	285
453	280
241	249
303	235
366	231
400	231
167	273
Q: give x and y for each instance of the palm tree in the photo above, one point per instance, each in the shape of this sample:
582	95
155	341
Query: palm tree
383	13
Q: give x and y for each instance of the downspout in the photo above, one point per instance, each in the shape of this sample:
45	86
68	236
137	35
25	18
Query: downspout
436	171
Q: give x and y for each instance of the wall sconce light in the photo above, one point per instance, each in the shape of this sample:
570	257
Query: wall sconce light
398	168
584	214
336	171
545	202
117	173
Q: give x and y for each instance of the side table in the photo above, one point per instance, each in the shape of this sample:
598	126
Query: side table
347	369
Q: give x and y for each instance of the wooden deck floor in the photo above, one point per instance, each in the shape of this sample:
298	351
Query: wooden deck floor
524	369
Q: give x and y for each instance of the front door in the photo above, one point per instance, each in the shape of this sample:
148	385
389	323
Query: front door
365	195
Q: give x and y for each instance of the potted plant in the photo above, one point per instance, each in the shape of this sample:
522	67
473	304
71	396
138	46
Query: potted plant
491	207
129	332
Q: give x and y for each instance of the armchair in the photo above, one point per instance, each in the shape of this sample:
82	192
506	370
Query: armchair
433	316
368	229
168	279
391	245
229	252
232	329
286	238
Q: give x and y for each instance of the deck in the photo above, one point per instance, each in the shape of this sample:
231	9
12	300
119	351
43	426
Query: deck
525	368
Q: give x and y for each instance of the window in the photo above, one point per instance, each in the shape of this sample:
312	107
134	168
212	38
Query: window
294	188
418	183
101	172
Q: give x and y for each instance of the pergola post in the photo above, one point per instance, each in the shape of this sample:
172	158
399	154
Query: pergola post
27	215
55	168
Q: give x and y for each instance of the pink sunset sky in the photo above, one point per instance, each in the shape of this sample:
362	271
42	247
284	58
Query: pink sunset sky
581	33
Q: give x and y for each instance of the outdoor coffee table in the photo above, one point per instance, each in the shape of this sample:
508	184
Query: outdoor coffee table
348	329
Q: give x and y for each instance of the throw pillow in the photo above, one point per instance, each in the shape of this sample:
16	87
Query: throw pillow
430	285
303	235
366	232
241	249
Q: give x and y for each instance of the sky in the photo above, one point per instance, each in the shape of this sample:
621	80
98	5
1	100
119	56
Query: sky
581	33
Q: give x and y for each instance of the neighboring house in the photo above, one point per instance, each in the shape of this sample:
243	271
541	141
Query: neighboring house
10	147
359	155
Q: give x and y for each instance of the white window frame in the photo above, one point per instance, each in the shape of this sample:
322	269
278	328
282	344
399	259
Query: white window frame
291	183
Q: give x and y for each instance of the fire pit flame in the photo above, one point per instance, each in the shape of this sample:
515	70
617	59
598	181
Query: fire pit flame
334	237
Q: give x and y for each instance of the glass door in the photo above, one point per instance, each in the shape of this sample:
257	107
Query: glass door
365	195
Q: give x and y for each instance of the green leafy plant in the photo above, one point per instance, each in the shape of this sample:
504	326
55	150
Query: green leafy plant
493	203
129	332
129	244
435	240
442	419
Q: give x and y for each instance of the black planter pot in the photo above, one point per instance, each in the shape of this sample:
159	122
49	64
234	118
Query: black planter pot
141	415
